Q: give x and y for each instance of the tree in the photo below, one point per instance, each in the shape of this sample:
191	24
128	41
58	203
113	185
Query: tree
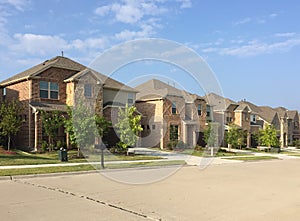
235	136
268	136
102	125
83	126
128	126
52	121
10	119
210	136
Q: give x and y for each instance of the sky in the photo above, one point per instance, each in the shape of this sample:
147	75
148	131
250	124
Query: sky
252	47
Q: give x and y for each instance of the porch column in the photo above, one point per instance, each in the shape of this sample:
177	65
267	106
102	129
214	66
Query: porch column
35	130
162	138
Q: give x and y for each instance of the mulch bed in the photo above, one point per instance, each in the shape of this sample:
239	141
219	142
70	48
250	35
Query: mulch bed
3	151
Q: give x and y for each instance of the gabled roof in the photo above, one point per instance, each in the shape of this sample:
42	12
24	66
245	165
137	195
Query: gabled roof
156	89
268	113
103	79
282	111
219	103
242	108
59	62
292	114
253	108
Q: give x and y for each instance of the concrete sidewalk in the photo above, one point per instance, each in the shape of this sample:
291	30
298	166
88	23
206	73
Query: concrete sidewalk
169	156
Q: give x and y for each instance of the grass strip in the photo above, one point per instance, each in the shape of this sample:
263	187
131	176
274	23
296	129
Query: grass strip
22	158
45	170
252	158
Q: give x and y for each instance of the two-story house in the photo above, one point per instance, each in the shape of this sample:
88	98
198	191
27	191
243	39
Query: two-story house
170	114
292	118
52	85
232	114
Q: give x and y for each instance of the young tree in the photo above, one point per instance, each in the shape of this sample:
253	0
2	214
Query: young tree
210	136
11	121
268	136
235	136
82	126
128	126
52	121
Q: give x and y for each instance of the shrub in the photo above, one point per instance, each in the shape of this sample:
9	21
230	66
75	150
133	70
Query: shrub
44	146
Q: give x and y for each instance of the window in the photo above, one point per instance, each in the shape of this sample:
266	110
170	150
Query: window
88	90
173	132
48	90
173	107
4	92
199	109
130	98
148	127
153	126
229	119
208	111
253	118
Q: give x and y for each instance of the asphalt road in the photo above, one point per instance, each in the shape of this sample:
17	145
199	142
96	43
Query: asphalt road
247	191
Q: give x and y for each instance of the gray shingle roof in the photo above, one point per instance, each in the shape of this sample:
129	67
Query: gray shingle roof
267	113
253	108
105	80
59	62
220	103
156	89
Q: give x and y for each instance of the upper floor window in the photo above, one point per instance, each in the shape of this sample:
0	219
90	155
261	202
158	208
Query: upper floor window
199	109
48	90
253	118
173	107
130	98
208	111
88	90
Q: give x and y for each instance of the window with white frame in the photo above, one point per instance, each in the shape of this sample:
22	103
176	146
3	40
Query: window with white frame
130	98
49	90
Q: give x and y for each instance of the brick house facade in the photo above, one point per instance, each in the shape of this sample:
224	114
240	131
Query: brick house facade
52	85
170	114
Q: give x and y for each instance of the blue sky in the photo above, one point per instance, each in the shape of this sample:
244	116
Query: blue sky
253	47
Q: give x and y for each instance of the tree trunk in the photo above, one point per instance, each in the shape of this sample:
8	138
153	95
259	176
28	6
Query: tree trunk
8	144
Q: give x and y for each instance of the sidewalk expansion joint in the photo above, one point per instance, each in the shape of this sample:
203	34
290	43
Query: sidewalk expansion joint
86	198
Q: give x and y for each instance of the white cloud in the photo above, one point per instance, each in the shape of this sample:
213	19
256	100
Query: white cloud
126	35
286	34
103	10
254	48
273	15
185	3
243	21
17	4
90	43
38	44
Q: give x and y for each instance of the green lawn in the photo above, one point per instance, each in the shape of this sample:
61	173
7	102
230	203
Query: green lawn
220	153
45	170
252	158
23	158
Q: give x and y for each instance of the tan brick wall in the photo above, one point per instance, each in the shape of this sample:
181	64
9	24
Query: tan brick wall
152	122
